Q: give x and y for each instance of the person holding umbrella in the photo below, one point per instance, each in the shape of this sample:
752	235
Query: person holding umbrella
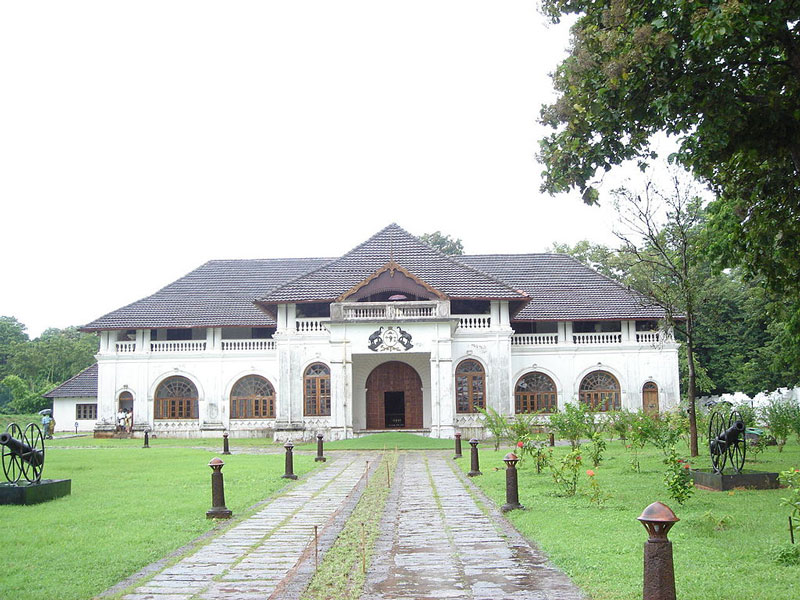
48	423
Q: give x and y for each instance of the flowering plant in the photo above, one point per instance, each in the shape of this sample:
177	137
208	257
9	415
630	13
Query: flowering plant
596	495
678	477
565	474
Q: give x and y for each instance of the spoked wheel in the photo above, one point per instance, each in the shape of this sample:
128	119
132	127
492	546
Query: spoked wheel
12	464
33	460
738	449
716	441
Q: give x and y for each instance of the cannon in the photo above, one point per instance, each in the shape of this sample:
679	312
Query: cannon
726	440
22	453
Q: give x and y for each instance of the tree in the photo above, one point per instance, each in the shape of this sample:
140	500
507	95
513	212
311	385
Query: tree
606	261
664	251
723	76
443	243
54	357
12	332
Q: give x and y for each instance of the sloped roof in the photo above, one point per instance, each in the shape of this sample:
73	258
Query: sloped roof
220	293
83	385
392	244
227	293
563	288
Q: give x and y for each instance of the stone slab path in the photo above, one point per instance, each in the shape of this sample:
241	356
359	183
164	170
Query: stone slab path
438	540
260	557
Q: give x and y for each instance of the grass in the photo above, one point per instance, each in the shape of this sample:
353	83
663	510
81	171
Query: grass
341	573
128	508
384	441
723	539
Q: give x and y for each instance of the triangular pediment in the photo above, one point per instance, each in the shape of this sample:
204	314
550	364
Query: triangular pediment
392	278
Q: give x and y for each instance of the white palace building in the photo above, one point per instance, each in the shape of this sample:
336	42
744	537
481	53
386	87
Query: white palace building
393	335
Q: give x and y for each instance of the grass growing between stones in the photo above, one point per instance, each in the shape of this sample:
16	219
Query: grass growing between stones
724	541
340	575
128	508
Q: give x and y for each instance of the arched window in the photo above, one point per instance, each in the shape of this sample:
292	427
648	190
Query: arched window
317	391
600	390
650	397
253	397
535	392
470	386
176	398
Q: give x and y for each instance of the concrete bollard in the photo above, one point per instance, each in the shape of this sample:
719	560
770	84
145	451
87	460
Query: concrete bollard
218	509
319	457
512	488
146	439
225	448
474	466
659	570
458	447
289	474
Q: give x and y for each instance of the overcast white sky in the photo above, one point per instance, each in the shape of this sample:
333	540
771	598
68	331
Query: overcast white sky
140	139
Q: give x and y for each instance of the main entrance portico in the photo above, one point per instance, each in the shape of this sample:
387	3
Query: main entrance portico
394	397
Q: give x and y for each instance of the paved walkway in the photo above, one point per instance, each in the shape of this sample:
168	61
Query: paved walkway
260	557
439	539
436	542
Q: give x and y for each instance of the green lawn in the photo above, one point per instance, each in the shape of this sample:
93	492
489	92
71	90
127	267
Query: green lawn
128	508
601	548
387	441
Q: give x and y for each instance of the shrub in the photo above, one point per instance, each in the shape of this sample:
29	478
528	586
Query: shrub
596	449
496	423
779	416
569	424
565	473
791	479
619	422
678	477
596	494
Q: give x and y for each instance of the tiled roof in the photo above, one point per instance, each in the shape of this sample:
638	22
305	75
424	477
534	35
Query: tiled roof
223	293
444	273
83	385
563	288
220	293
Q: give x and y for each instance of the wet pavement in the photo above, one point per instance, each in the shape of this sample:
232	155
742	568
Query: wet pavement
439	539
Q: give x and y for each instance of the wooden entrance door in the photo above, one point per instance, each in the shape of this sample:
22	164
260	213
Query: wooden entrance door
650	398
395	378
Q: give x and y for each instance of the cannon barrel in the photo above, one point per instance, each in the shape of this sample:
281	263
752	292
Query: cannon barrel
727	438
30	455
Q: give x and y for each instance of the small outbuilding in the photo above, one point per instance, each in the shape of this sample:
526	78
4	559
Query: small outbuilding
75	401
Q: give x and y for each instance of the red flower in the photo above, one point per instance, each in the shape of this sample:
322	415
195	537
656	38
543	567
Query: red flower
590	473
520	444
685	466
577	458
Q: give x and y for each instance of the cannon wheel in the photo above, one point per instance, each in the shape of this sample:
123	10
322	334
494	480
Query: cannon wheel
716	427
33	438
738	450
12	464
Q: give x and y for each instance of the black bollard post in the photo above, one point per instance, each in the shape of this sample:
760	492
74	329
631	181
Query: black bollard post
218	509
289	474
146	439
512	489
659	570
552	440
225	448
458	447
474	466
319	457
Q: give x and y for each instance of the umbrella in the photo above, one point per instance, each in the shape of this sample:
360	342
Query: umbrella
46	411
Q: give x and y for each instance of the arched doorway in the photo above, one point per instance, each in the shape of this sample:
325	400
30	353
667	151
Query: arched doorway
650	398
394	397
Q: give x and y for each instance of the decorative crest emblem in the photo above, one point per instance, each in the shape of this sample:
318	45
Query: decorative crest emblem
390	339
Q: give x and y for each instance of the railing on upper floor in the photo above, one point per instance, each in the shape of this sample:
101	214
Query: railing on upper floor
179	346
534	339
311	325
474	321
389	311
247	345
125	347
597	338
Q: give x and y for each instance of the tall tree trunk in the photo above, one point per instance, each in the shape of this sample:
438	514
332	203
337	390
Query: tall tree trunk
691	393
